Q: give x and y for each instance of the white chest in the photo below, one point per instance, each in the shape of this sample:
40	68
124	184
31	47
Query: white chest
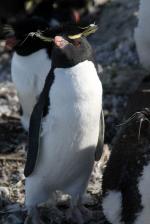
75	106
142	34
143	186
28	75
144	17
30	71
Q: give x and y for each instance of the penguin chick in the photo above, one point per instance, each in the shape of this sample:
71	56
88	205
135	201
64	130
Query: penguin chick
126	180
142	34
62	156
30	62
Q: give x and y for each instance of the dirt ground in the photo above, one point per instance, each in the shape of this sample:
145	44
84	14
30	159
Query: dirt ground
120	74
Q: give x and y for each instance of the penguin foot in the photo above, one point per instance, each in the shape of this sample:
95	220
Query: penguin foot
79	214
33	216
74	215
86	213
30	220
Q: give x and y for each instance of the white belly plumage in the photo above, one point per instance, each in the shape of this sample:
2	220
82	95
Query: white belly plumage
112	203
28	75
142	34
69	132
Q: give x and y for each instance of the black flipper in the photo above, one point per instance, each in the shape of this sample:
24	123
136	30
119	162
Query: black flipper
99	148
35	125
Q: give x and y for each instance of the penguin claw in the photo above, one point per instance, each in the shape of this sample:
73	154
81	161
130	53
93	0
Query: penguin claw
79	214
29	220
74	215
86	212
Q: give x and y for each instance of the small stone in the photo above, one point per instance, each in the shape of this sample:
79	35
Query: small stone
4	192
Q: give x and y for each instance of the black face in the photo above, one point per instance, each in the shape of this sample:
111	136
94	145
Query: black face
26	44
68	53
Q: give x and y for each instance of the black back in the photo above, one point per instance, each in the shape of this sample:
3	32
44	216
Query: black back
35	125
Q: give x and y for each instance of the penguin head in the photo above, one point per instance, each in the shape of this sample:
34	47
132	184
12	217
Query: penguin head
17	34
71	46
69	52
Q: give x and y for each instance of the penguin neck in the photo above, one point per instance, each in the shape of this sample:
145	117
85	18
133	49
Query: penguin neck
81	67
31	46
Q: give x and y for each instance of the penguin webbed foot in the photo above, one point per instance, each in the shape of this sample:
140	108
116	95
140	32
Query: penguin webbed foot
33	217
79	214
30	220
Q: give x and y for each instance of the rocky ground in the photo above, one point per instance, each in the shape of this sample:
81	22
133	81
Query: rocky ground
116	52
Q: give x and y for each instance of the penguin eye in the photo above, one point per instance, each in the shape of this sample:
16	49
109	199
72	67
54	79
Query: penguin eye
76	42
